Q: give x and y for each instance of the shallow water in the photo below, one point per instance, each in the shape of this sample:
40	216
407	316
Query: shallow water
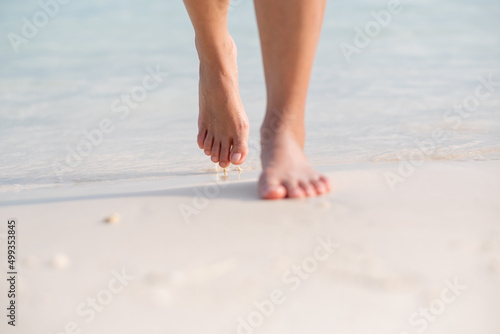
381	106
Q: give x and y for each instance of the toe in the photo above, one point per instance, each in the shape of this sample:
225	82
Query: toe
319	186
239	152
215	151
270	188
207	145
308	188
273	192
201	137
224	154
294	190
326	182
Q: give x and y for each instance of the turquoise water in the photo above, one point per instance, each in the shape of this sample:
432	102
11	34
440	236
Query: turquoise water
381	106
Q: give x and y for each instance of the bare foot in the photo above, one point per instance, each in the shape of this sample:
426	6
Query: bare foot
222	122
285	169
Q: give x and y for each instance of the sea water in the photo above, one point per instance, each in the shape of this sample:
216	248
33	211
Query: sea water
397	88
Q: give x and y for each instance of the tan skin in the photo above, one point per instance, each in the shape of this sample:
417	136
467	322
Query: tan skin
289	33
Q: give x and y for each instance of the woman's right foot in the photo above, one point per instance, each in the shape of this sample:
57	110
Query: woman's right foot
222	122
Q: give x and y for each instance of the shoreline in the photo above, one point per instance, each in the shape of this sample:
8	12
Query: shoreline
388	170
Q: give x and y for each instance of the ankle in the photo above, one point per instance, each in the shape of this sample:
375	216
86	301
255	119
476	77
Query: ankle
286	126
214	50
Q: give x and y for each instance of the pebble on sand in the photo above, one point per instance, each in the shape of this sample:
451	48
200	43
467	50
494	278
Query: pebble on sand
60	261
112	219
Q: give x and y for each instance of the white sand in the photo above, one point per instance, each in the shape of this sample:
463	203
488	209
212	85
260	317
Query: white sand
396	250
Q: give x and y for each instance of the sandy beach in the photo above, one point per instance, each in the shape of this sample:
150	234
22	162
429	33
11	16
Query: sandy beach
209	257
123	226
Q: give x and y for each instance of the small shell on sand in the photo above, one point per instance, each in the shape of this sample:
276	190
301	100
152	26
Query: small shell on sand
60	261
112	219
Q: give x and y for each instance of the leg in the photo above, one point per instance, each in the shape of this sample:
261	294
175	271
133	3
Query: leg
289	34
222	122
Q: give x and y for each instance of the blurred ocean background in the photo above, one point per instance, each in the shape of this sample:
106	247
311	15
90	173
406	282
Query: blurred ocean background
392	95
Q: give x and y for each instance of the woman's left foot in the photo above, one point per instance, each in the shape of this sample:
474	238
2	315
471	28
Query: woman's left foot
286	173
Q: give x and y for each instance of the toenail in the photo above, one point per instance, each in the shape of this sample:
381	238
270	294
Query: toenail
236	157
214	159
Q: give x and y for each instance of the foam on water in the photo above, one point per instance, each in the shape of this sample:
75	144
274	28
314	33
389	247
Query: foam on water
391	97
